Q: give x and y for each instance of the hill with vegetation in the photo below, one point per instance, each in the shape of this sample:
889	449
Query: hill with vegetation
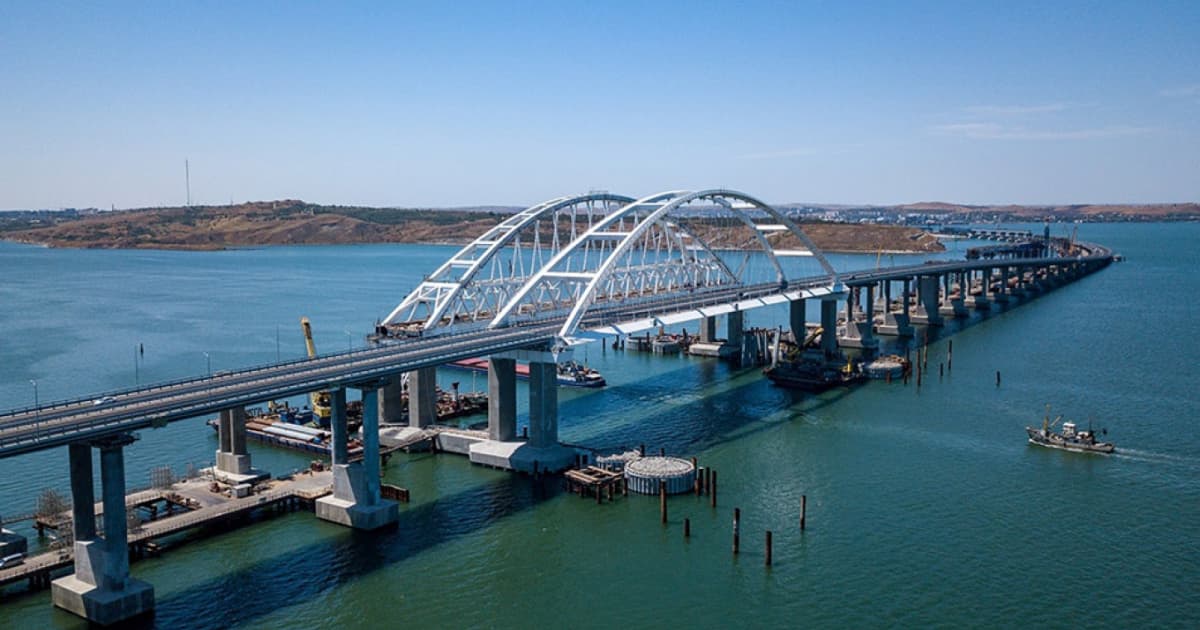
293	222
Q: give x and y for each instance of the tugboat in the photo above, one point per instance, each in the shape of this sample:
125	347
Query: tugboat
1070	439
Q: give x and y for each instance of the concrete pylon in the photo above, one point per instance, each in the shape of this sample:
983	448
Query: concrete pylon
100	590
543	404
928	302
735	336
896	323
391	401
797	320
708	330
338	426
829	342
356	500
232	458
502	399
422	397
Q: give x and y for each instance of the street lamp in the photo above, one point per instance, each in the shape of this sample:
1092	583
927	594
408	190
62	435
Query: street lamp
208	363
349	340
37	409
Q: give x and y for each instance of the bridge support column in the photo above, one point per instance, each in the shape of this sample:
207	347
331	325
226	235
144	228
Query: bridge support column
850	338
101	590
829	342
866	329
422	397
927	302
708	330
391	401
83	497
502	399
894	323
1000	295
955	305
543	404
981	302
355	501
338	427
232	459
735	336
797	320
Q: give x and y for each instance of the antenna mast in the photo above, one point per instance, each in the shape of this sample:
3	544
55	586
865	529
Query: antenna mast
187	178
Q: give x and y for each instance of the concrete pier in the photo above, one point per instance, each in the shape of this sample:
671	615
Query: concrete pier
861	334
927	302
543	404
232	458
797	320
422	397
502	399
896	323
355	501
829	342
708	330
542	448
955	304
391	401
101	590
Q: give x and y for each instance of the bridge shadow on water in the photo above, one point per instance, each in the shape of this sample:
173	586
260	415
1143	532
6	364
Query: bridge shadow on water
696	413
303	574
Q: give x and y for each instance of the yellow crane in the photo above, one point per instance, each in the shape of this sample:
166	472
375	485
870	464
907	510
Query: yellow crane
320	400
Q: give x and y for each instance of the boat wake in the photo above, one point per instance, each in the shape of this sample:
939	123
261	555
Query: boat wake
1157	458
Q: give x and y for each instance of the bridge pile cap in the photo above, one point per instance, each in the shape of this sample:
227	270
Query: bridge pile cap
643	475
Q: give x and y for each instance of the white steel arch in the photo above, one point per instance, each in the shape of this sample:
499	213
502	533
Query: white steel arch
659	206
447	287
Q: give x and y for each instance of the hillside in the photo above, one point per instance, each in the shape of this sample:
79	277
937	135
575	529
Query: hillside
293	222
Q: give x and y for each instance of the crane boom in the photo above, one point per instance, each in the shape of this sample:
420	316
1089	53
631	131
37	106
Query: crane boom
320	400
308	339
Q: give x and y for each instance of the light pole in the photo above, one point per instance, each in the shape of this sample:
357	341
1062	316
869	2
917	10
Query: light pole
208	363
349	340
37	409
136	376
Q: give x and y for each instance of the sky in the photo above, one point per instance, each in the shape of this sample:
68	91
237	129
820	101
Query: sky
510	103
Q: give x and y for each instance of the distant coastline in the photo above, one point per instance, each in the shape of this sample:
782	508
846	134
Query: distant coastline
890	229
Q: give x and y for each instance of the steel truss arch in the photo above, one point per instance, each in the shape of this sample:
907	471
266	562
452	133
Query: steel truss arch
446	286
659	206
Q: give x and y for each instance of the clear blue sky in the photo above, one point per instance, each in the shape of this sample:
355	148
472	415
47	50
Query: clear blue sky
456	103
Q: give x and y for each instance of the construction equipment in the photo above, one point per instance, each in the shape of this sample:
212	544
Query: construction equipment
320	400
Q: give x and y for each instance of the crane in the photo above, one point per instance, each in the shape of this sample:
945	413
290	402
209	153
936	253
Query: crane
320	400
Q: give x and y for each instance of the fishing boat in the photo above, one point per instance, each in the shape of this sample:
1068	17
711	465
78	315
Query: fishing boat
570	373
1070	439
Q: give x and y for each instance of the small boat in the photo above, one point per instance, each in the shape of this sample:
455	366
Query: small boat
1071	439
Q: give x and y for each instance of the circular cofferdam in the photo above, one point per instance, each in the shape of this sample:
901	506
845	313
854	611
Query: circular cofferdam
643	475
884	367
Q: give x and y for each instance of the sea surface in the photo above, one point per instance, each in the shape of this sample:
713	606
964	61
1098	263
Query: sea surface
926	508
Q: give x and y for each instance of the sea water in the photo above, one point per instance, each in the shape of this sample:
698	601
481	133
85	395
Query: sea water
926	507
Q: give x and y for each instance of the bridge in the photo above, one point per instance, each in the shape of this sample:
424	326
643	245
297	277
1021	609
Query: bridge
543	281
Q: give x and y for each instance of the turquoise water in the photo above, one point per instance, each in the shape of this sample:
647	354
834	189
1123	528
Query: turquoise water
925	507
